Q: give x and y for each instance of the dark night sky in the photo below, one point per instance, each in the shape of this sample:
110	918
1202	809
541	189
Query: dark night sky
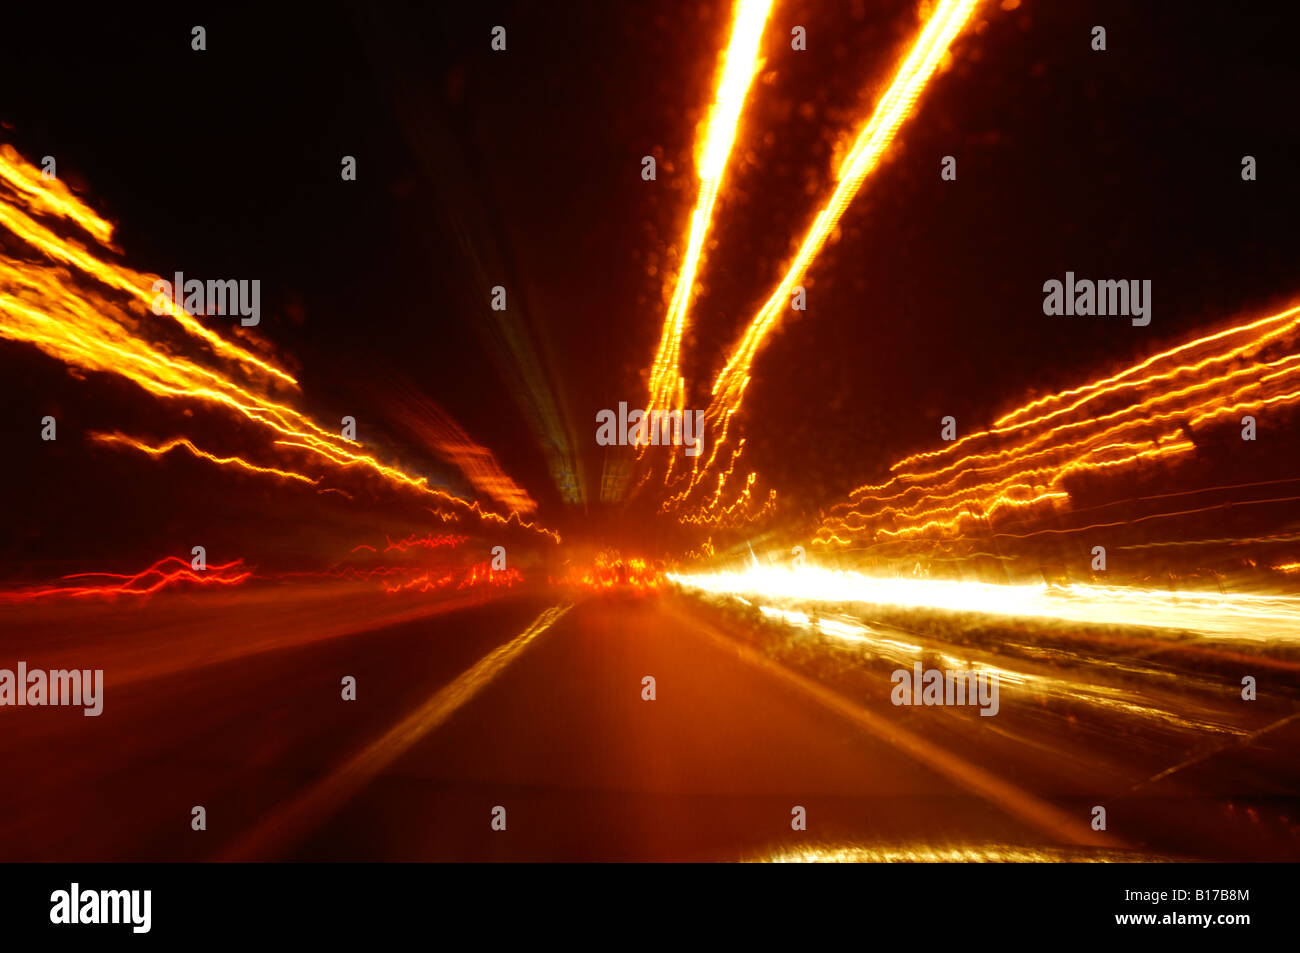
524	167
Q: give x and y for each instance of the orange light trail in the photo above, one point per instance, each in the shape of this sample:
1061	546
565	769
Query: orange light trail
1144	413
131	585
486	476
945	23
181	442
947	20
426	582
449	440
345	458
423	542
72	320
478	576
1221	541
740	64
1273	327
1278	322
610	572
39	194
1133	521
741	511
482	574
50	196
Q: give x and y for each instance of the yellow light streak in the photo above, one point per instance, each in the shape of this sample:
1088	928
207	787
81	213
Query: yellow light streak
157	450
1141	414
740	63
948	19
71	306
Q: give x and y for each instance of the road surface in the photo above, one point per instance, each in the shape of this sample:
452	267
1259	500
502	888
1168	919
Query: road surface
531	714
